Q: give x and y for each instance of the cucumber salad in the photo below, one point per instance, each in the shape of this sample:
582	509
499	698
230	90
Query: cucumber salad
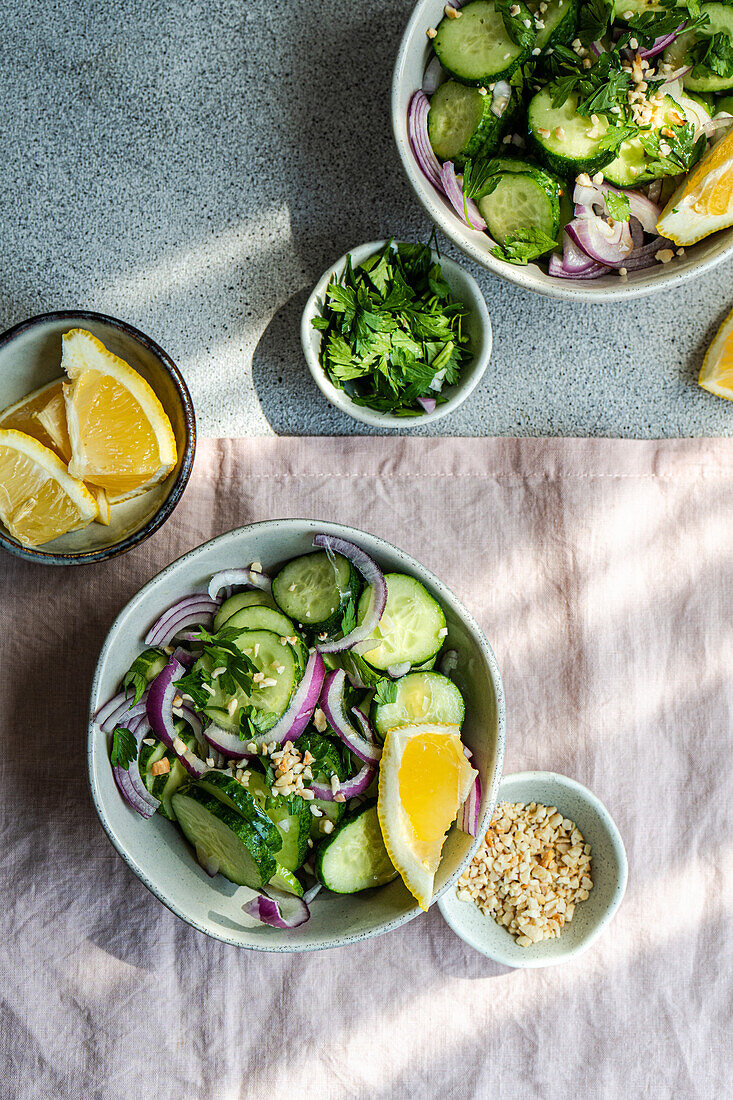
254	721
562	128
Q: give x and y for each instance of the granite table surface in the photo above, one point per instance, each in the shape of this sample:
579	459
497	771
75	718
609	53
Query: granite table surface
194	167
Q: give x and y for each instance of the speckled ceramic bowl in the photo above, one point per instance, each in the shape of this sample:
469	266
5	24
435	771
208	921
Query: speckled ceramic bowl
30	357
478	325
412	58
609	871
156	850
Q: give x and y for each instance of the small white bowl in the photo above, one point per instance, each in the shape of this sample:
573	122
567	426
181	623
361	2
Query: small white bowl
412	58
464	288
609	871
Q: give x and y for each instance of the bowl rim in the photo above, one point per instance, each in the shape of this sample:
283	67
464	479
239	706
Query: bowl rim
105	553
492	787
619	848
523	277
341	400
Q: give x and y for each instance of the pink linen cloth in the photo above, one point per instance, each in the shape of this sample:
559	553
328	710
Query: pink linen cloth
602	573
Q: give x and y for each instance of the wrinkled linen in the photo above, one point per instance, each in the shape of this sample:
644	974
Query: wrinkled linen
602	573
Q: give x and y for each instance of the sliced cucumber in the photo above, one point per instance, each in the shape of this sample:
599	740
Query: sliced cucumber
522	200
412	625
476	48
223	837
266	618
421	697
461	121
269	655
632	166
328	762
291	817
286	880
231	793
723	103
238	601
149	755
312	590
566	141
560	19
720	21
165	785
354	857
175	779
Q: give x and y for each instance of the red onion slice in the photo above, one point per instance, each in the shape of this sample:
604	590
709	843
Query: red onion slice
305	698
646	256
129	781
161	694
366	726
238	578
468	818
641	206
610	246
448	662
228	744
198	608
557	269
122	714
332	705
373	576
350	788
659	44
432	76
428	403
454	193
277	909
417	130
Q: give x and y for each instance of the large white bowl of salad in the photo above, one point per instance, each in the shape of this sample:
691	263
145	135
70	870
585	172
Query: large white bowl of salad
572	147
296	736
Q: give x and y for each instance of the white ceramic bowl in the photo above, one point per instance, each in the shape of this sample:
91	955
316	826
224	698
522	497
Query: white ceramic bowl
156	850
464	289
413	56
609	871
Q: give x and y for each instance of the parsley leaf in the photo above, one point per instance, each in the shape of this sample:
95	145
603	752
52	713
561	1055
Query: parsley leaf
348	619
386	691
523	245
514	25
136	676
713	54
593	20
124	748
618	206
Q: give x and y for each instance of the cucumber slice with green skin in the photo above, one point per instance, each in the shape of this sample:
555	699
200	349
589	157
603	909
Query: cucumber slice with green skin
328	762
314	589
149	755
266	618
632	167
564	139
354	857
291	817
706	100
560	19
476	49
286	880
720	21
176	778
461	121
522	200
271	656
238	601
411	627
233	794
224	838
421	697
723	103
165	785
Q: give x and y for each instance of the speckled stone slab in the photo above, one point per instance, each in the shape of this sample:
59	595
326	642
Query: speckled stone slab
194	167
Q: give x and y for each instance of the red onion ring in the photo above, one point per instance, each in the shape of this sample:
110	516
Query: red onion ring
417	130
454	194
123	710
332	705
198	608
557	270
468	818
431	76
129	780
641	206
428	403
373	576
305	698
350	788
159	706
277	909
613	250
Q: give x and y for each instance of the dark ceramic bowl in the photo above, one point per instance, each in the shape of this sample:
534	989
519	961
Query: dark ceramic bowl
30	357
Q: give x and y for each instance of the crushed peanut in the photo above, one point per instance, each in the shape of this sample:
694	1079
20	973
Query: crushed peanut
160	767
530	872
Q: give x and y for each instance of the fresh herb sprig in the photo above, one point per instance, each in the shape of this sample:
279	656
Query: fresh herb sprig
390	326
136	677
124	748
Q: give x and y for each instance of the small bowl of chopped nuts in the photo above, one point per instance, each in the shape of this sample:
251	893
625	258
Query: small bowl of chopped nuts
547	879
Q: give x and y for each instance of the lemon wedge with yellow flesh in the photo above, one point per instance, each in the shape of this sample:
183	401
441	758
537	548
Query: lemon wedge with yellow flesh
716	373
39	500
23	415
52	419
424	779
121	437
703	203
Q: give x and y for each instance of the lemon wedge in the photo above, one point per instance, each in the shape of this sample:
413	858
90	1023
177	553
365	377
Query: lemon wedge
121	438
23	415
716	373
703	203
424	779
52	418
39	500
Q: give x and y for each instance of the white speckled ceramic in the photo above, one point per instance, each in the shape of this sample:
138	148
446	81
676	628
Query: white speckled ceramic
412	58
30	357
609	871
463	287
156	850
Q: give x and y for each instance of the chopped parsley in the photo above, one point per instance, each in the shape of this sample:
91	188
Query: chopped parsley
594	19
385	691
523	245
618	206
713	54
124	748
390	326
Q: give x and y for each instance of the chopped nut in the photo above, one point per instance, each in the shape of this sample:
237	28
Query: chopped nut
431	32
451	12
160	767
